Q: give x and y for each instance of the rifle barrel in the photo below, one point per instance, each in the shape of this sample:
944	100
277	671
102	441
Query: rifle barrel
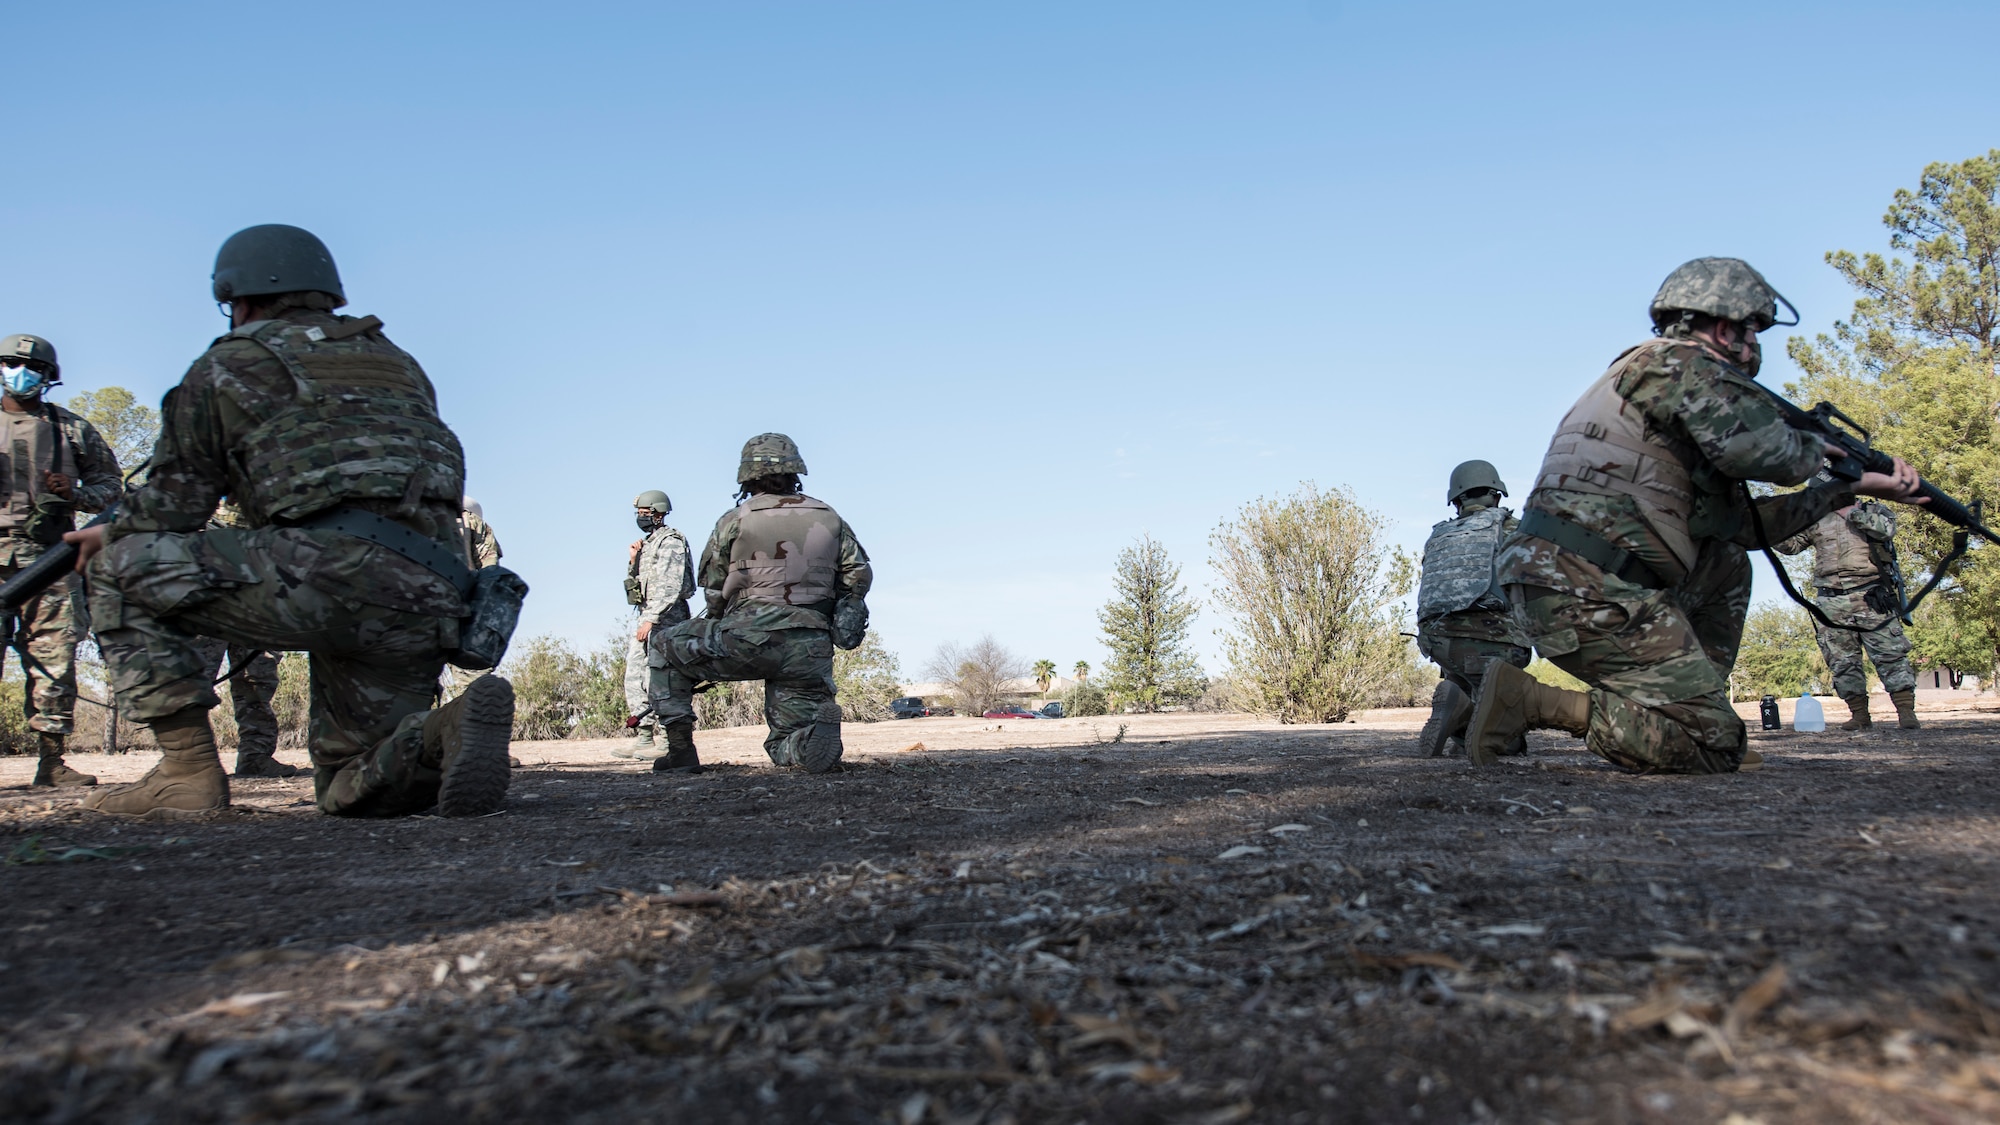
46	571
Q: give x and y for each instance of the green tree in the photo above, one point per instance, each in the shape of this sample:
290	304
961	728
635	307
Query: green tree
1311	593
127	425
865	679
1044	672
1914	364
1082	670
1146	628
1779	655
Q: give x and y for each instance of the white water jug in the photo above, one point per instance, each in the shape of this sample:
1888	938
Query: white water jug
1808	716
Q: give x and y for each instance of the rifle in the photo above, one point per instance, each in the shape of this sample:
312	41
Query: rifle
46	571
1857	456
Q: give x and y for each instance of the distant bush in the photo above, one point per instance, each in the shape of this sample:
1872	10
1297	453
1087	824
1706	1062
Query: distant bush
865	680
560	693
1085	700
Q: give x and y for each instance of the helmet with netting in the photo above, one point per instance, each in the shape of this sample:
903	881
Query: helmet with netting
768	455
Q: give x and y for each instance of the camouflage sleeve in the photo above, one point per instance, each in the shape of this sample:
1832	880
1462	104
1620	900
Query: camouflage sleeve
1795	544
98	479
857	575
188	472
715	556
1873	520
1686	392
486	545
1791	514
664	576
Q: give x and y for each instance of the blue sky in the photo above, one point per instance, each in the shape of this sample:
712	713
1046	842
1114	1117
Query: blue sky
1024	280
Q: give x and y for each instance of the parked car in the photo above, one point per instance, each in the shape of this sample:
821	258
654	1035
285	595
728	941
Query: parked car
909	707
1011	711
1051	710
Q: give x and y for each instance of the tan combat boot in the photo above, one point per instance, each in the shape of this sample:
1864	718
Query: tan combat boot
1512	703
1906	708
1857	705
53	771
1451	709
188	779
466	740
680	754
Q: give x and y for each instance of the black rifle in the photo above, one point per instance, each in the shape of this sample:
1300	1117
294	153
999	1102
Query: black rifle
46	571
1858	456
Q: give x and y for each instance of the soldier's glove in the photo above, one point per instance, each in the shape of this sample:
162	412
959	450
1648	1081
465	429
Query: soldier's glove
631	722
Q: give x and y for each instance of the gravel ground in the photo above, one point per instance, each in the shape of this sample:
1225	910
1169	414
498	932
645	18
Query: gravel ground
1173	918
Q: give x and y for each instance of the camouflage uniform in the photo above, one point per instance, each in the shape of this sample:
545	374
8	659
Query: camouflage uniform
294	417
753	632
1852	557
1657	657
54	621
1463	642
481	545
664	577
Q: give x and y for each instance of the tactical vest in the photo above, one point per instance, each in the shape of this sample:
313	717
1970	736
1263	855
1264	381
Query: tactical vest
1604	447
1844	558
362	425
787	550
1458	565
37	442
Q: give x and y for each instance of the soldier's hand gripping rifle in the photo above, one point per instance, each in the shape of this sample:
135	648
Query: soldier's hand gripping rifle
1859	456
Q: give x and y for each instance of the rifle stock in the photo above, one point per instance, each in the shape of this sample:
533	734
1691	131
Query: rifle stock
46	571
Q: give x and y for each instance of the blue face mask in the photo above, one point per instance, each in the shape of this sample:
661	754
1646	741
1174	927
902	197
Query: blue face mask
22	381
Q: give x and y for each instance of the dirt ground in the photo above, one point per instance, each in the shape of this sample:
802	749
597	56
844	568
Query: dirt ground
1176	918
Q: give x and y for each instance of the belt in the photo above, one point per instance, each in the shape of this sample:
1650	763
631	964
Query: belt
1830	592
1586	544
392	536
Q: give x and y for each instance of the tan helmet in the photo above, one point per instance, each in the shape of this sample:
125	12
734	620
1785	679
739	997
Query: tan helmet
1727	288
655	500
768	455
1473	476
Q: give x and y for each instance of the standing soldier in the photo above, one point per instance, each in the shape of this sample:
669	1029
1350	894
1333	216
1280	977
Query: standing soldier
1629	568
253	683
659	579
54	464
328	438
1463	620
1854	571
482	547
785	581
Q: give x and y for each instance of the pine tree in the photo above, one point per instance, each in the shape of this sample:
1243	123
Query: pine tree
1146	630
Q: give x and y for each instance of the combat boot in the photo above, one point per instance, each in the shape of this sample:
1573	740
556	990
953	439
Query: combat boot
1512	703
188	779
640	745
53	771
256	763
680	749
822	747
1451	709
1857	706
466	740
1906	708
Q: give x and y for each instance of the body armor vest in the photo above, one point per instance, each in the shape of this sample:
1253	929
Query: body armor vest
362	425
1843	558
787	550
1458	565
1605	447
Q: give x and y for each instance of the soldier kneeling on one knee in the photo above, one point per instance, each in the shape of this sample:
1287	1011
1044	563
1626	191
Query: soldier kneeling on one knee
1464	622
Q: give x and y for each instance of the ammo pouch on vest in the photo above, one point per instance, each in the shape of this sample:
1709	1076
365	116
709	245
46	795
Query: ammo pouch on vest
49	518
493	593
635	591
850	621
1881	599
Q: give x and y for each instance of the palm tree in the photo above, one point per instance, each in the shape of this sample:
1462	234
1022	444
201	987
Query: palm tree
1082	670
1045	670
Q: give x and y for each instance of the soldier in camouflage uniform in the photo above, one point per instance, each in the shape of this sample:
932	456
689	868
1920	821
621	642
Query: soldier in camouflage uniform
659	579
53	465
781	571
1464	622
1629	568
481	545
327	437
1854	575
253	683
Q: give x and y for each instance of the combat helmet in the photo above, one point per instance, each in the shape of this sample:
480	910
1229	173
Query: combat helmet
1727	288
655	500
274	258
1473	476
768	455
23	348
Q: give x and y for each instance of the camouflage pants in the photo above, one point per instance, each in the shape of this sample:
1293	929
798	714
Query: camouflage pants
1657	662
1884	644
642	682
250	694
52	623
374	670
1463	660
796	666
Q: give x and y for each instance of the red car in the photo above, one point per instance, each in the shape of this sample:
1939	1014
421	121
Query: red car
1011	711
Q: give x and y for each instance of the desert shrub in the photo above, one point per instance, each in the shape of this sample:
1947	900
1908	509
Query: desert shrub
1410	682
560	693
1085	700
737	704
865	680
1313	633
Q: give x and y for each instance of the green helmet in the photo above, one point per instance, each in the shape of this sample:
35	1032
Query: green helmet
274	258
1727	288
1473	476
33	349
655	499
767	455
